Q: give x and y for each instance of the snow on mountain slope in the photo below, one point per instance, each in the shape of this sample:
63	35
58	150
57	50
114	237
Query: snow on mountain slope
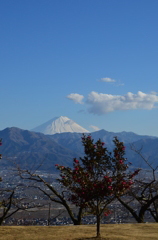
59	125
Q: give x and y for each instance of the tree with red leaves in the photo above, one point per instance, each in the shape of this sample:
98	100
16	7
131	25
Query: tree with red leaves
98	178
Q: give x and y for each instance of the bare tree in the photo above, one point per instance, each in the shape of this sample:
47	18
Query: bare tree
11	203
51	193
143	196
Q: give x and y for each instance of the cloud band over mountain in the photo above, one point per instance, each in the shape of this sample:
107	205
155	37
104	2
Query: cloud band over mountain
101	103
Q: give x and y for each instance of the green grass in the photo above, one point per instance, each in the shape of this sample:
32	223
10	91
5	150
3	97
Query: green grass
108	231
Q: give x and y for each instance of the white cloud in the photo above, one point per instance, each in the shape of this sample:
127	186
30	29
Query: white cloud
95	128
101	103
75	97
107	79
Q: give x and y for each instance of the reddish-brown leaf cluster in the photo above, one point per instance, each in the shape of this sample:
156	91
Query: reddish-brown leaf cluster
99	175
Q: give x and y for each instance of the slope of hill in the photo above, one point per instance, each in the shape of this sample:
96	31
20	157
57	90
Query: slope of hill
148	147
73	140
128	231
148	144
30	149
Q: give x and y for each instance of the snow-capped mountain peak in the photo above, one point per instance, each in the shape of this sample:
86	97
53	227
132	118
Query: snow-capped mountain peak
59	125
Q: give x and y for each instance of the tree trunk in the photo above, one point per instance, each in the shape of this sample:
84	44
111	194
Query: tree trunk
98	226
1	220
139	219
79	217
76	221
98	215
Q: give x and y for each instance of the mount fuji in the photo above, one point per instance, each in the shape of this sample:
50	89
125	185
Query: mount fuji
59	125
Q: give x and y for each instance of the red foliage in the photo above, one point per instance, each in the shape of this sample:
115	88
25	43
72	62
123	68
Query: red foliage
99	175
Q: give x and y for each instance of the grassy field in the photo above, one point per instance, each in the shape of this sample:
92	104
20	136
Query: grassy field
108	231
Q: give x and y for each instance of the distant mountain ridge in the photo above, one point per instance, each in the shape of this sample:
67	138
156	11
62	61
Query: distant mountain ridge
31	150
73	140
59	125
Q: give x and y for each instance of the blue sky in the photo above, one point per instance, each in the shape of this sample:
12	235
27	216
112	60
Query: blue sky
95	62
